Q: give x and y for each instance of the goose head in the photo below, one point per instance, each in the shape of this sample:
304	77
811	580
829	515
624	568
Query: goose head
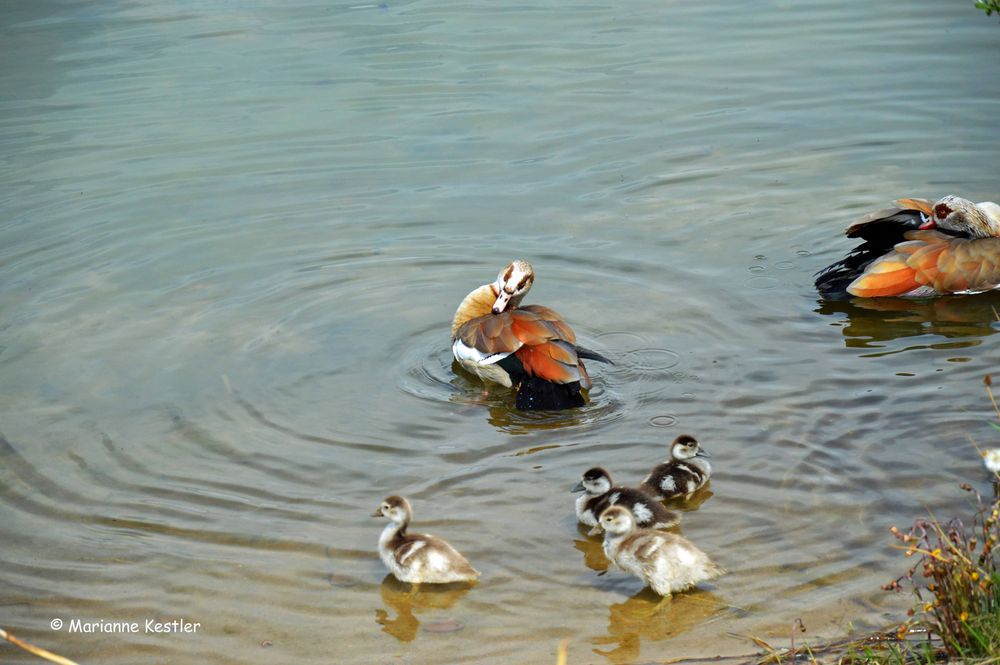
953	213
616	521
512	285
396	509
595	482
686	447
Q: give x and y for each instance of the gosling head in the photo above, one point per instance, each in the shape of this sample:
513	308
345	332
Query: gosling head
685	447
512	285
953	213
396	508
595	482
616	520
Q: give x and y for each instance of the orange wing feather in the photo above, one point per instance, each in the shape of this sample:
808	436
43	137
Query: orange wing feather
933	259
553	361
923	205
540	338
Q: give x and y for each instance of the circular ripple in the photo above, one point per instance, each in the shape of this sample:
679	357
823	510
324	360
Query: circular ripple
625	341
663	421
428	371
654	360
762	282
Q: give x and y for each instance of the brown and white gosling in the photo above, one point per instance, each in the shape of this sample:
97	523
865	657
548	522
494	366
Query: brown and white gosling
414	557
683	474
599	493
668	563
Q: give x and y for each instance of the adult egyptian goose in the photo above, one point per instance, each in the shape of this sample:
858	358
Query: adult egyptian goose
599	493
527	348
683	474
414	557
668	563
919	249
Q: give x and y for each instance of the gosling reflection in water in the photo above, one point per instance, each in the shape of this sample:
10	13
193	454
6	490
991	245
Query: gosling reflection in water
593	552
406	600
647	616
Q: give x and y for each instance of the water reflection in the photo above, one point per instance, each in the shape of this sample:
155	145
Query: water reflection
868	322
499	402
647	616
593	551
694	502
405	600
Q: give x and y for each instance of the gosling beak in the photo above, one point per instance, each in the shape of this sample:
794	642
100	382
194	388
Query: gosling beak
502	300
702	453
596	531
578	487
378	512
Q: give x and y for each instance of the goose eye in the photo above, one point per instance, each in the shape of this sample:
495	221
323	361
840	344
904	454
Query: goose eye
941	211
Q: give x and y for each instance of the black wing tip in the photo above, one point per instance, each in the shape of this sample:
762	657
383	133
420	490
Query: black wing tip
592	355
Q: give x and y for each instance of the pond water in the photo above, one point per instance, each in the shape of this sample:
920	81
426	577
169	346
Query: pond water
232	237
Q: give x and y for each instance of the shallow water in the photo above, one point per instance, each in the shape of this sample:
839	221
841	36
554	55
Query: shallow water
233	235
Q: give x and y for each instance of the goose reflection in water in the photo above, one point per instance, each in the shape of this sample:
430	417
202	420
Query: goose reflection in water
647	616
407	600
867	322
502	414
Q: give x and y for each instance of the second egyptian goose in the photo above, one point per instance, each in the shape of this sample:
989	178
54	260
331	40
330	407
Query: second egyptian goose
920	249
528	348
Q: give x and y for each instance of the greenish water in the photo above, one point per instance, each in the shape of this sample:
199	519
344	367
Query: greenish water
232	237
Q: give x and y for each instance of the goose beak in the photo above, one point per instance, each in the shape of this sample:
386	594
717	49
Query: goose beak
596	531
928	222
502	300
578	487
702	453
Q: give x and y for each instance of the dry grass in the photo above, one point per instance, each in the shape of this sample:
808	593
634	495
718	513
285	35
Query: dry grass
38	651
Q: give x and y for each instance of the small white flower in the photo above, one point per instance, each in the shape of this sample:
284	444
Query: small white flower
991	458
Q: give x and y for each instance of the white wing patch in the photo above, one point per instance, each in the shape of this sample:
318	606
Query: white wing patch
482	365
642	512
613	499
472	355
668	484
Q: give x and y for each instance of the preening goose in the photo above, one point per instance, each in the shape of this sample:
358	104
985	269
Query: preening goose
528	348
919	249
